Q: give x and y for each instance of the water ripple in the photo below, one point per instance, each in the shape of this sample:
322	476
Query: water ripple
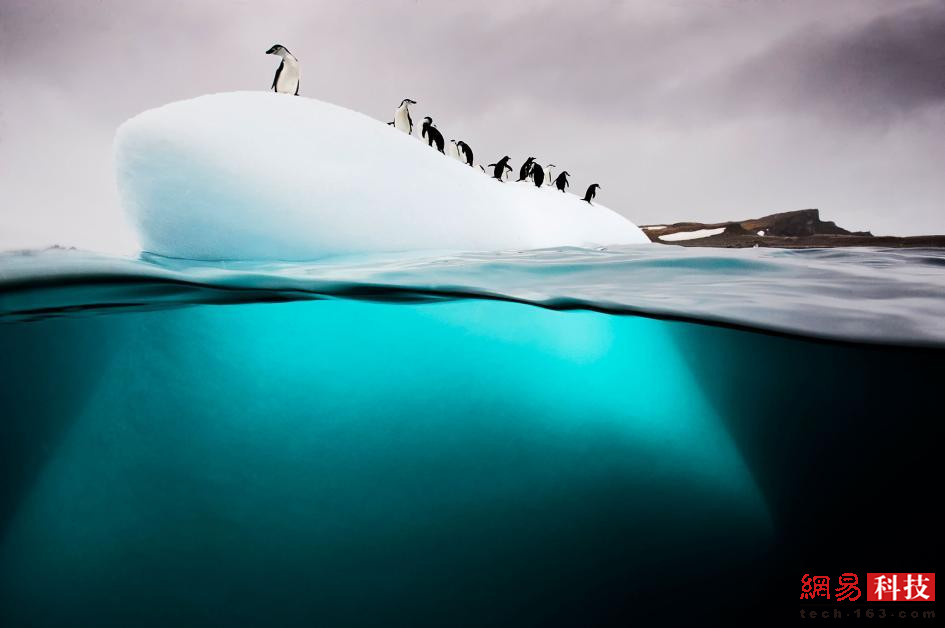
889	296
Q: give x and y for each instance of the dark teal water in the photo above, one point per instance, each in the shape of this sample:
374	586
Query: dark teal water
403	458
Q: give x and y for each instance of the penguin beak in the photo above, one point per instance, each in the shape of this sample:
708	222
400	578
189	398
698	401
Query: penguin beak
271	51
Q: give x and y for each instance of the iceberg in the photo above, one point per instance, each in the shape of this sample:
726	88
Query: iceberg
266	176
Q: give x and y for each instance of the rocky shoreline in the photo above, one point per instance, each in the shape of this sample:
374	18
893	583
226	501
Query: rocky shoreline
796	229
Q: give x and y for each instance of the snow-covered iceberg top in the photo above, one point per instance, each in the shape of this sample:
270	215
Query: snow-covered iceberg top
258	175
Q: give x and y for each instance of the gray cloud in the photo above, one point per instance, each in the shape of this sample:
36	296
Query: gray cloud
889	66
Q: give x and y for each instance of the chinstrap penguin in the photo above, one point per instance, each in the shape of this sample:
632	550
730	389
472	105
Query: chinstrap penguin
591	193
402	120
465	151
561	181
288	75
431	134
525	169
452	150
499	168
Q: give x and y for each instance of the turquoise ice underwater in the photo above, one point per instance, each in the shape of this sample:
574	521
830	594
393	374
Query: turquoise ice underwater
302	455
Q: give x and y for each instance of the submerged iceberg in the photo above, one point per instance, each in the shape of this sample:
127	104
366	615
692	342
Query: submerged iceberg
259	175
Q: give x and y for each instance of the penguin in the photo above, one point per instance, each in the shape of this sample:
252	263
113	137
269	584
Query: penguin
287	78
525	169
550	173
538	175
402	120
452	150
465	151
499	168
431	134
591	193
561	181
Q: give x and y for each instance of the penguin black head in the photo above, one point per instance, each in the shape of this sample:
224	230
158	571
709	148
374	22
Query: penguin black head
407	101
428	120
595	186
278	49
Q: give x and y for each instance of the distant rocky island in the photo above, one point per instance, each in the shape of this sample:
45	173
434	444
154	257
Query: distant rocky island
796	229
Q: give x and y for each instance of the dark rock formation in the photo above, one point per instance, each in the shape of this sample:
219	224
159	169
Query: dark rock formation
802	228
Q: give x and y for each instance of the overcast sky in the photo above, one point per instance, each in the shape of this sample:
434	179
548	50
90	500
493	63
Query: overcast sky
681	109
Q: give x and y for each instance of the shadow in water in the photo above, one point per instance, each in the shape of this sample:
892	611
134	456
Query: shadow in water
843	440
48	371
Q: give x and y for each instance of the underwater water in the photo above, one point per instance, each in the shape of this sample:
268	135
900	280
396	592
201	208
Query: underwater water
533	438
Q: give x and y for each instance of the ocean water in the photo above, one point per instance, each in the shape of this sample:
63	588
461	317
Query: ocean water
560	437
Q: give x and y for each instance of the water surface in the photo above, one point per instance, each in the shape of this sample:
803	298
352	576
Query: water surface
530	438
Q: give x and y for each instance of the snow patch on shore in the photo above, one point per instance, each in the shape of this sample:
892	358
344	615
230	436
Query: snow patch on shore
691	235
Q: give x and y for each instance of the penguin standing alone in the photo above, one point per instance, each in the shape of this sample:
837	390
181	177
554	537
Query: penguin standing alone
288	76
591	193
525	169
465	151
431	134
538	175
499	168
561	181
402	120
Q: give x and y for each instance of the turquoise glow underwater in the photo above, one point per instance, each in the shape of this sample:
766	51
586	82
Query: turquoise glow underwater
338	462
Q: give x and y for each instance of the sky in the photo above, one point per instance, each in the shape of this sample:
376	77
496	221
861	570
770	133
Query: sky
699	110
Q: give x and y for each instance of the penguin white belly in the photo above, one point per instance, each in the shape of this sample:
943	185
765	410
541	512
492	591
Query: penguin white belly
288	82
453	151
402	120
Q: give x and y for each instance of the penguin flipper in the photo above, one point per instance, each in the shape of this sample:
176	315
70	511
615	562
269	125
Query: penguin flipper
275	79
297	86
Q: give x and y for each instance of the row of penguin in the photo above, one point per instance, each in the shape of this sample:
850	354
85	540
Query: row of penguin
287	80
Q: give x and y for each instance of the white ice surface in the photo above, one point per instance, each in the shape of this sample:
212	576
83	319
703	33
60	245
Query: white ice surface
691	235
259	175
